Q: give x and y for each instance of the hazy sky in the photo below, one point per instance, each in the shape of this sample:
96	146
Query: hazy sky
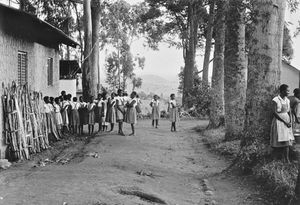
166	62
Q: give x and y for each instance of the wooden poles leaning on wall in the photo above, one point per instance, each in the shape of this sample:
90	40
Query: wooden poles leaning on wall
25	129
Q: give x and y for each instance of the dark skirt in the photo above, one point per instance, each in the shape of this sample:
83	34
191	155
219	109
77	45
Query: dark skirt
83	116
75	118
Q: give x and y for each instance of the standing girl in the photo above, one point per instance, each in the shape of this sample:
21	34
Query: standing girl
64	113
104	111
83	112
58	118
120	111
98	110
172	108
111	111
281	134
131	117
155	111
91	122
75	115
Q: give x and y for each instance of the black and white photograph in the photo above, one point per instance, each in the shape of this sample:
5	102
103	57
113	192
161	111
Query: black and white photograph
150	102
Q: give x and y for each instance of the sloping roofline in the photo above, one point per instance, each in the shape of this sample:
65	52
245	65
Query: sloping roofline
22	24
288	64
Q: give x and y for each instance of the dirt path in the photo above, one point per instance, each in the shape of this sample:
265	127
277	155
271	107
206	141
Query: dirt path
153	167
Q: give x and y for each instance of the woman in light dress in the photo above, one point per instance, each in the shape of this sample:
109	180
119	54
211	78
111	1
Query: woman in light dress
58	118
131	115
155	115
173	112
281	135
120	111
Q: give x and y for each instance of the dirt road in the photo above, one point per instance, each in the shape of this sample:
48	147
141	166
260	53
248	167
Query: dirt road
154	167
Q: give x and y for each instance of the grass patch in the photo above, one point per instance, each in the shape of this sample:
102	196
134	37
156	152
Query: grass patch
214	139
276	177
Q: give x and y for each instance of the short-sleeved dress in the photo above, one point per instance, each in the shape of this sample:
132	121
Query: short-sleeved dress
131	115
64	114
58	118
155	110
75	114
281	135
174	116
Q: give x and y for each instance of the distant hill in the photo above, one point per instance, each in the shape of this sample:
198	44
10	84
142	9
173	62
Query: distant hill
158	85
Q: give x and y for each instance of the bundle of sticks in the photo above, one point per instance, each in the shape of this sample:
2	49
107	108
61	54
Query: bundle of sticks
25	127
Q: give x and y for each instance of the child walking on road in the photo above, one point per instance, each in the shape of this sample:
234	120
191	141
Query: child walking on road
172	108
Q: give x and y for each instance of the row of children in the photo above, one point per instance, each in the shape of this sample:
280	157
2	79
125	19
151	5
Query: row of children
64	114
172	110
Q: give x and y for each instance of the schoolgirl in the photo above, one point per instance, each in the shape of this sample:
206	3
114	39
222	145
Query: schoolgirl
75	115
111	111
120	111
172	108
155	115
57	116
64	114
131	115
104	111
91	114
83	114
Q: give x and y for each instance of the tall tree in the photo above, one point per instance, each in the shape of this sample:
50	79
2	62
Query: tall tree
95	15
208	42
217	89
264	65
87	84
190	52
181	24
235	68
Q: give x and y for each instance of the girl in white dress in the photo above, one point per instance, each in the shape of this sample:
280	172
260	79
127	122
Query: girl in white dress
131	116
58	118
120	111
281	135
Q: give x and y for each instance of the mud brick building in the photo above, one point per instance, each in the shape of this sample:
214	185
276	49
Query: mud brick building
29	53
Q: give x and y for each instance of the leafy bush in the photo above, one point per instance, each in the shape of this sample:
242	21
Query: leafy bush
200	97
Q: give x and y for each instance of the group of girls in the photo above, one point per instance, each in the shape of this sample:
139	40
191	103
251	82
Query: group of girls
68	115
172	110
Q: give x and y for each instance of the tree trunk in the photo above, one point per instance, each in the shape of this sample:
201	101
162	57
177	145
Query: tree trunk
87	63
264	65
235	68
208	42
96	48
189	68
217	90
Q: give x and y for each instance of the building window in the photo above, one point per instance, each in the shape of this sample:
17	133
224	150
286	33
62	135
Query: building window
50	71
22	67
